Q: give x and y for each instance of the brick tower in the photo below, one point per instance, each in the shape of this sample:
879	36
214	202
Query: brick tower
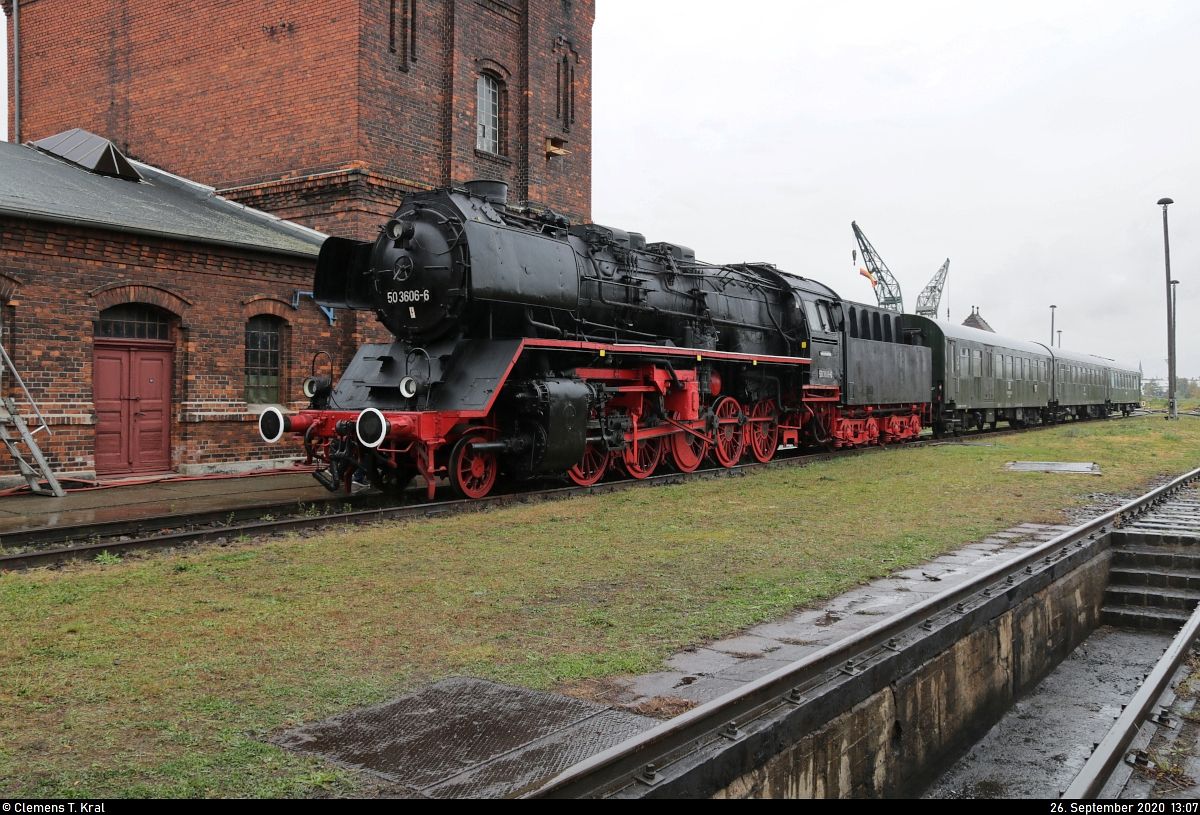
322	111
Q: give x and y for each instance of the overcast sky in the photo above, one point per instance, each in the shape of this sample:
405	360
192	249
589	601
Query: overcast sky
1026	141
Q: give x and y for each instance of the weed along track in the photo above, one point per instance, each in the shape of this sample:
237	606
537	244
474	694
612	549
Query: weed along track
52	545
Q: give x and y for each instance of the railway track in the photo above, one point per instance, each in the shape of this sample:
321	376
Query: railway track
54	545
700	752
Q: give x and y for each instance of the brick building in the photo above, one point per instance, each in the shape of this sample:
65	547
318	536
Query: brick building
150	317
323	111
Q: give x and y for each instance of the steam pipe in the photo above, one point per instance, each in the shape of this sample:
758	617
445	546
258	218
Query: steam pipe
554	331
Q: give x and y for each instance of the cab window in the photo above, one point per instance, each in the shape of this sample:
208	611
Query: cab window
826	319
814	318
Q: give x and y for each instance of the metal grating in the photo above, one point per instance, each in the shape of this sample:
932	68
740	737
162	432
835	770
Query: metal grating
466	737
1079	467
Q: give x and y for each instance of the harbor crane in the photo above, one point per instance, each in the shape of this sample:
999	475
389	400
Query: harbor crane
887	289
931	295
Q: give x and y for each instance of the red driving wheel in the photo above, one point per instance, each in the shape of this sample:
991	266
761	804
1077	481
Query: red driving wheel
688	450
472	473
730	441
764	433
591	469
640	461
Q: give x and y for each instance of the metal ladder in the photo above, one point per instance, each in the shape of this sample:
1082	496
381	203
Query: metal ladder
9	415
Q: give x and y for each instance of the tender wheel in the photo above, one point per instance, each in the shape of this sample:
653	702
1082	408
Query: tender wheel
591	469
472	474
730	440
640	463
764	435
688	450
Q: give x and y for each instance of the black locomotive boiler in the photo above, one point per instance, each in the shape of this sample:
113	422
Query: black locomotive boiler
530	346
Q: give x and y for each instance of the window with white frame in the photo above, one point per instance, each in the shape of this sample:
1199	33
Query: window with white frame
488	111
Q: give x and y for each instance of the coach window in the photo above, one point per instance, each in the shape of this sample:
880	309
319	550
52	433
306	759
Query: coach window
262	359
488	114
853	326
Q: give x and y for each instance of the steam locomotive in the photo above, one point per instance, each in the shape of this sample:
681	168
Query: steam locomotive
528	346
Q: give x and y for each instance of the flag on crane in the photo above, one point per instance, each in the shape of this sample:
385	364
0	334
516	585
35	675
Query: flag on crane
868	276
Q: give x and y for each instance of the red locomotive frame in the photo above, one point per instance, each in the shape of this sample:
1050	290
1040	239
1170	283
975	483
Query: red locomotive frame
695	425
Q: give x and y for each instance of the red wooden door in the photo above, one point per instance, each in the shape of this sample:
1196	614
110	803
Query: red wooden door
132	395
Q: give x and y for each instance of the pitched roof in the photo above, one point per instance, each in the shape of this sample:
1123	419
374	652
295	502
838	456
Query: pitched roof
976	321
35	184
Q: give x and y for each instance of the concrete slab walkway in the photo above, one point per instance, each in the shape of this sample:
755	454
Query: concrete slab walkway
148	500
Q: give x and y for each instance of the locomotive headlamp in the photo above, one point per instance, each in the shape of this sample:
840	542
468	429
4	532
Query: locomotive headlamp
317	386
399	229
408	387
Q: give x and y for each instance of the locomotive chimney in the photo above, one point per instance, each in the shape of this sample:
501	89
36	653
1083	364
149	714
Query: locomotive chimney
494	192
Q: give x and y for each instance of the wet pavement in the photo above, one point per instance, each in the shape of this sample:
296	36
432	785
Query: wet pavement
159	498
700	674
1043	741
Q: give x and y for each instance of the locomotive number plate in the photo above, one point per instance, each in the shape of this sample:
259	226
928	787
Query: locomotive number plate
412	296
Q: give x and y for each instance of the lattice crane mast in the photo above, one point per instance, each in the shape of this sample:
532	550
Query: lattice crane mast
931	295
887	289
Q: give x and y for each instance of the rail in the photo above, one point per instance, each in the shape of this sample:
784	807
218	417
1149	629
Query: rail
1108	754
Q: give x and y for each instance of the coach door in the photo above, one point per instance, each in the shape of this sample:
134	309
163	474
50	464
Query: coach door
989	379
952	370
131	387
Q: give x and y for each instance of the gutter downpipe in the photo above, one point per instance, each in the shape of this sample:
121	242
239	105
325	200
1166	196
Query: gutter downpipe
16	21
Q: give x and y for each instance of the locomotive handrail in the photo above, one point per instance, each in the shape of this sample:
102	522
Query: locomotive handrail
619	764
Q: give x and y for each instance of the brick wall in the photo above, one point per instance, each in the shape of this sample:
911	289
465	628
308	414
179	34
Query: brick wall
55	280
325	111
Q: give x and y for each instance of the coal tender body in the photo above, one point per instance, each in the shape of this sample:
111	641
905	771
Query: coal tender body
528	346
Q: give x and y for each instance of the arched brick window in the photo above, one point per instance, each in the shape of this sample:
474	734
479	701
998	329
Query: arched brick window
133	321
263	334
489	115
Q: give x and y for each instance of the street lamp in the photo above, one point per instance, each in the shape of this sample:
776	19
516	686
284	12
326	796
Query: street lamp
1060	338
1052	325
1172	405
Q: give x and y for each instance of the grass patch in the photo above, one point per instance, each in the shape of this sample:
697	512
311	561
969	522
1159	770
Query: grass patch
163	676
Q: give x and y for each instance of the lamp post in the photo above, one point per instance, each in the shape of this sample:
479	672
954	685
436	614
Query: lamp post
1060	338
1172	405
1052	325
